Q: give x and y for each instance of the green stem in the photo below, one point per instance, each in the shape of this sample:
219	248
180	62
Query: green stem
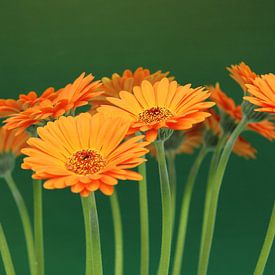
118	234
213	166
5	252
96	246
184	213
173	183
267	245
88	235
144	222
217	182
38	225
25	218
166	211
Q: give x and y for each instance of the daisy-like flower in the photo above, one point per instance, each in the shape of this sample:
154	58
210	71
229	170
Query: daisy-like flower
126	82
242	74
10	147
227	105
262	93
162	105
84	153
32	110
241	147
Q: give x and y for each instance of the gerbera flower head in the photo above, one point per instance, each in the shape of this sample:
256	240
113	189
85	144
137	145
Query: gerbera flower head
234	114
10	147
31	110
164	105
126	82
262	93
84	153
242	74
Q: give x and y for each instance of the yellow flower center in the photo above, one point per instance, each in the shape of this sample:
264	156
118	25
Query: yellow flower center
155	114
85	162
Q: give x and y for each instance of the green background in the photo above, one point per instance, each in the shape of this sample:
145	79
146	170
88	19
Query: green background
49	43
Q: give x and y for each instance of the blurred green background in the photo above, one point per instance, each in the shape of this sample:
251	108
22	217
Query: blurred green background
49	43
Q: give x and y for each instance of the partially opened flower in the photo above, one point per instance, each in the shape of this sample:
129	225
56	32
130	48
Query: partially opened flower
10	147
84	153
126	82
227	105
242	74
262	93
32	110
162	105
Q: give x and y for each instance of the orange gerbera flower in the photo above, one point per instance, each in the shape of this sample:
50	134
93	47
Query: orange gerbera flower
162	105
31	110
84	153
262	93
241	147
126	82
11	143
227	105
242	74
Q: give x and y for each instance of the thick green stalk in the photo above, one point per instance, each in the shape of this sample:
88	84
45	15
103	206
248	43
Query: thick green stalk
96	244
38	225
267	245
144	222
213	166
88	235
5	252
166	211
217	181
173	183
118	231
184	213
25	219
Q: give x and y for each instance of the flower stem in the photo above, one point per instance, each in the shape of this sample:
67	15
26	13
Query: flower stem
144	221
213	166
88	235
118	234
173	183
216	185
38	225
267	245
186	200
5	252
166	210
97	258
25	218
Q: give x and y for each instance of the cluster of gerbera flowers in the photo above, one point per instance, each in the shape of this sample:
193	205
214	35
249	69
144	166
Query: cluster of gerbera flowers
89	151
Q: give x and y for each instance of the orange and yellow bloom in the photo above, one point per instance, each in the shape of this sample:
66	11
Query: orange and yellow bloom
162	105
126	82
262	93
84	153
32	110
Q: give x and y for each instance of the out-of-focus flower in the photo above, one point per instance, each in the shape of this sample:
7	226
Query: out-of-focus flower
10	148
84	153
32	110
242	74
162	105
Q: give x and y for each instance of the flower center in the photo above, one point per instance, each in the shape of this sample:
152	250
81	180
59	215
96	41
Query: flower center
155	114
85	162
